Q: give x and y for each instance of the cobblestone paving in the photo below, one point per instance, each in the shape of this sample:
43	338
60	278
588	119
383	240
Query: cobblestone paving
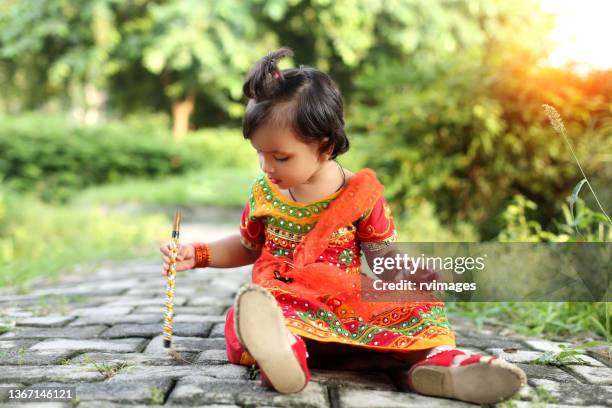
102	334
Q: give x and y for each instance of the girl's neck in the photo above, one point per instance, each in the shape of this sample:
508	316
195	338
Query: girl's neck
324	182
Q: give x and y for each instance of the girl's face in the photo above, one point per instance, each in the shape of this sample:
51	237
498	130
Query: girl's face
288	161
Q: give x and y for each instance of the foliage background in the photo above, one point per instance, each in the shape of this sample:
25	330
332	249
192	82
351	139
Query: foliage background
109	101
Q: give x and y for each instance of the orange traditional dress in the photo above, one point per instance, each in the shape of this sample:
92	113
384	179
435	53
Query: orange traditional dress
311	263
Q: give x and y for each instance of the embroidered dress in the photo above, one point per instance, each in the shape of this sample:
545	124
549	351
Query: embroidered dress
311	263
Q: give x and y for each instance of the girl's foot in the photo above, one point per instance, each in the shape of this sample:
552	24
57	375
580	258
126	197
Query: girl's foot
261	329
472	378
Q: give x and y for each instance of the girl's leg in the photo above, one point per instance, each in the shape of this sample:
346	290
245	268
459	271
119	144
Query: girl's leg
236	354
452	373
260	327
344	357
442	371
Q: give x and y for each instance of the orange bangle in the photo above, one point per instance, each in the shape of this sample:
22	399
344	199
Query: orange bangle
202	255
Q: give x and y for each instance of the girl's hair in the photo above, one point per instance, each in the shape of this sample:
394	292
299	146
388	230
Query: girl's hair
303	99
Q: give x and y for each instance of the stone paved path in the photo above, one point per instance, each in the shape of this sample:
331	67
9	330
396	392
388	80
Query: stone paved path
101	333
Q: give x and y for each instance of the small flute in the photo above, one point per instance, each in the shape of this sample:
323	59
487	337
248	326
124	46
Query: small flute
170	281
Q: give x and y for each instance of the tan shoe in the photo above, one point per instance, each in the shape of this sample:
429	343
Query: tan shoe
261	329
478	379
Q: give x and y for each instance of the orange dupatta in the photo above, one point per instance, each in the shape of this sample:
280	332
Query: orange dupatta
317	280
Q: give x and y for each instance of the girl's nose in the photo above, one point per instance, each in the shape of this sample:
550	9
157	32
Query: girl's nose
265	166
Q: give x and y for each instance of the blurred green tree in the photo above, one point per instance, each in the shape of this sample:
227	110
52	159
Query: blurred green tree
450	100
60	49
188	46
196	47
447	94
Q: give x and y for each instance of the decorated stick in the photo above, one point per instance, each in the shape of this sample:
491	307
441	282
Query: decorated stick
171	278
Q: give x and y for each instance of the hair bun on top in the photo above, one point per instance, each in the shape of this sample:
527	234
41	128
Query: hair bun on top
264	79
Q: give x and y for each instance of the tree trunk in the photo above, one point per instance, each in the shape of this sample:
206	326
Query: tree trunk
181	112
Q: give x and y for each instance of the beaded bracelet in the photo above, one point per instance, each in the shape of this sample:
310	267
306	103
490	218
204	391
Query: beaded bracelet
202	255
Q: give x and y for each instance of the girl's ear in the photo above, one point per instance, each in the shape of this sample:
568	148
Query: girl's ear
327	153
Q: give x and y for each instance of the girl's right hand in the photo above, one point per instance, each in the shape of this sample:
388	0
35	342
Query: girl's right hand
185	258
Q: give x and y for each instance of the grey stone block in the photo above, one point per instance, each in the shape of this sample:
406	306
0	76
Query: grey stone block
191	310
45	321
108	404
68	332
225	372
594	375
157	301
134	358
207	300
14	344
85	289
192	329
152	330
119	346
358	398
487	342
207	390
229	284
356	379
187	318
218	330
14	313
574	393
102	311
122	391
120	331
214	343
117	319
4	391
554	347
137	372
518	356
33	358
545	345
180	344
603	353
212	357
34	374
546	373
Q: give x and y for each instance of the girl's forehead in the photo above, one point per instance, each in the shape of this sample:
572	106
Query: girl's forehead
275	138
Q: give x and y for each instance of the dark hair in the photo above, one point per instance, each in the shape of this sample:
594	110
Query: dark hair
303	99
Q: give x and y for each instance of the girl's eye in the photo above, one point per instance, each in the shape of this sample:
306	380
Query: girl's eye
281	159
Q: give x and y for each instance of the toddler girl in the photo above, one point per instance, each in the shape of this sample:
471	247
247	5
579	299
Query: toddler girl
305	226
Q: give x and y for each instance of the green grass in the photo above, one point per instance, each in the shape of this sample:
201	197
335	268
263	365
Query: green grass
213	186
225	181
42	240
157	396
557	319
567	356
107	370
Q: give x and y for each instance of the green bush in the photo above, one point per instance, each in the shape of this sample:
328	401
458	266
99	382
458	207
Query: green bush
222	147
580	224
457	120
43	240
228	187
52	157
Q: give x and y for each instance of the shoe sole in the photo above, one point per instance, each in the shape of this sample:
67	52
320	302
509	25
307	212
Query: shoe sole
486	382
260	327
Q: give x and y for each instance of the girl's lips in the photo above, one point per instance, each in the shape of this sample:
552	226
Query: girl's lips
275	181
